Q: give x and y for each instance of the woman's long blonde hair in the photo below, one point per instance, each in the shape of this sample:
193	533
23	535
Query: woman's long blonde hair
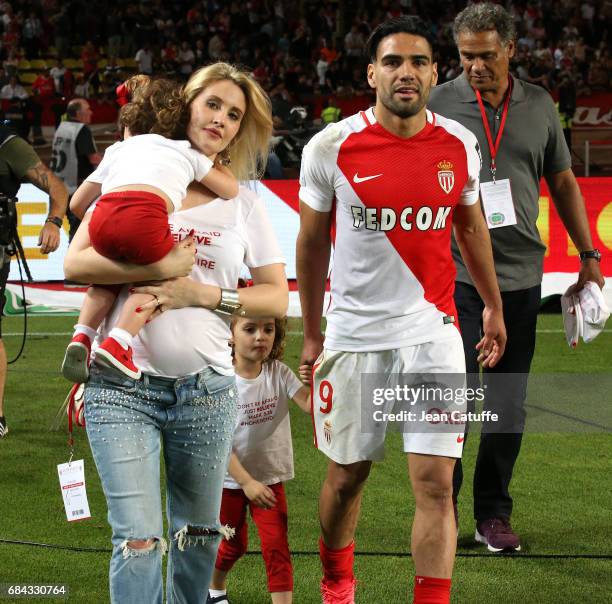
248	152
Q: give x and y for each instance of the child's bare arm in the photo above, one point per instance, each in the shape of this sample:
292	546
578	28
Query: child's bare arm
84	196
302	399
261	495
221	181
83	264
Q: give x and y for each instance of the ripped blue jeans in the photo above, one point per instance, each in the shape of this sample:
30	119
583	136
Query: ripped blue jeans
127	421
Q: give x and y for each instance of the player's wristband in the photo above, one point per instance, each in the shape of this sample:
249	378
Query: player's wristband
55	220
229	303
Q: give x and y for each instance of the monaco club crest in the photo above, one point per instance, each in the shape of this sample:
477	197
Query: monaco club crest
446	176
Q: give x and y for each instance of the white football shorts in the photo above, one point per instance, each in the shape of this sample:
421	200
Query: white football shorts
337	408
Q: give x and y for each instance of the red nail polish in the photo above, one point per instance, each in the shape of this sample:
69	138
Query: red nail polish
191	233
139	309
131	290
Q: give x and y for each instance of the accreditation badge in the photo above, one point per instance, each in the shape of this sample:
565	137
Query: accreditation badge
72	483
498	205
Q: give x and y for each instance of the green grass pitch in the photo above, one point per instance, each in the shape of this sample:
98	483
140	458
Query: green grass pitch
561	489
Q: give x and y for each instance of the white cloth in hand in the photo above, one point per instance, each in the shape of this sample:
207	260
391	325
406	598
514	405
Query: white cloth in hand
595	311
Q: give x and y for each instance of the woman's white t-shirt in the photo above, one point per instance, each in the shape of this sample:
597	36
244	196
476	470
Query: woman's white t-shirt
228	234
262	440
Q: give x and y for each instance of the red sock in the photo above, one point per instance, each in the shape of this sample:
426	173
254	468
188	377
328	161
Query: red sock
337	563
430	590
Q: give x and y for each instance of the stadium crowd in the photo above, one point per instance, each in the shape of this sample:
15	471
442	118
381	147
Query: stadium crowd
301	57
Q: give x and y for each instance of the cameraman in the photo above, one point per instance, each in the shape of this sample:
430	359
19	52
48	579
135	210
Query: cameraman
19	163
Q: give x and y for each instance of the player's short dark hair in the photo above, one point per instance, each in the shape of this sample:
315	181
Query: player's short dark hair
485	16
399	25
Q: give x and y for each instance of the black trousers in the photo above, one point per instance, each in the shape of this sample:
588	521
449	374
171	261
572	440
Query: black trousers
499	447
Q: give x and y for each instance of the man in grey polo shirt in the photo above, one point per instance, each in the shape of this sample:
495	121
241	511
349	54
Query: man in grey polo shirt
74	155
521	140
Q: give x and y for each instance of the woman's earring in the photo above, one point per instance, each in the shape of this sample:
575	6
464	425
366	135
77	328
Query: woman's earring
224	157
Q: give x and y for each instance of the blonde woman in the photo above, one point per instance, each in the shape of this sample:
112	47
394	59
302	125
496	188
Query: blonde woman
139	182
186	396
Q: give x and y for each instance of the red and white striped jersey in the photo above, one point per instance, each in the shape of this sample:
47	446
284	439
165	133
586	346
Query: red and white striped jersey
393	275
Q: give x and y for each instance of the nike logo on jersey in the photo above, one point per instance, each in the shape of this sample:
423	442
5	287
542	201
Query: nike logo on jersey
357	179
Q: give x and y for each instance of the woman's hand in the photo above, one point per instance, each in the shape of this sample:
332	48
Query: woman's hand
178	293
178	262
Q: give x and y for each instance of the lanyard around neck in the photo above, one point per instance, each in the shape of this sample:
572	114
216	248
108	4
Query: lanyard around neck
493	147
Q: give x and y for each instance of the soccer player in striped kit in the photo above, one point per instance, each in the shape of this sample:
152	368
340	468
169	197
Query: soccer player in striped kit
395	180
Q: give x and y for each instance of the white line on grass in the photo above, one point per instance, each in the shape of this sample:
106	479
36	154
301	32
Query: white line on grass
42	334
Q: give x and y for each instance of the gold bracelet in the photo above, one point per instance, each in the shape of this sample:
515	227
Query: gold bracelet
229	303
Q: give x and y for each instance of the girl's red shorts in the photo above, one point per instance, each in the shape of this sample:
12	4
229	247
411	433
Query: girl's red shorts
131	226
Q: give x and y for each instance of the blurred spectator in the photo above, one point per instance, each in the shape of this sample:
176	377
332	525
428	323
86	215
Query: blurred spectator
261	74
599	75
13	90
12	35
322	66
32	35
186	59
129	18
331	113
112	70
566	105
43	94
43	87
82	87
587	13
114	30
281	106
354	42
90	57
452	71
539	73
68	84
4	78
11	63
301	41
216	46
57	72
169	58
201	54
328	51
145	28
62	30
334	77
144	58
537	30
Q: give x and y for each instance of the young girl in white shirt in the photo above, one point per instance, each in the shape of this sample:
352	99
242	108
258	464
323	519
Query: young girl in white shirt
142	180
262	455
